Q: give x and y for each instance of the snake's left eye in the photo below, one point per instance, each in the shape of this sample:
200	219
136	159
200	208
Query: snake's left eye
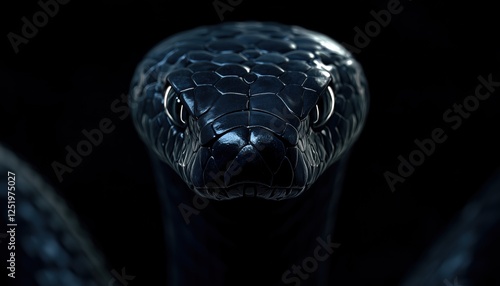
174	108
323	110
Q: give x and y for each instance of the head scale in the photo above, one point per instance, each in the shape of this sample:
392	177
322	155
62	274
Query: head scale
249	109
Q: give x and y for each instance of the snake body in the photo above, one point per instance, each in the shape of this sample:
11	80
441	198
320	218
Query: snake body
255	111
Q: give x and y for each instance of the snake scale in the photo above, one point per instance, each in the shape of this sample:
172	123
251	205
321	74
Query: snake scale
249	127
255	112
269	106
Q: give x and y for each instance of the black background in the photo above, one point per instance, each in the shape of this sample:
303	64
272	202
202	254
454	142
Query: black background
428	58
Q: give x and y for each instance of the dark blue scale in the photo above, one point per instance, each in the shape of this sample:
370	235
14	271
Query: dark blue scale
258	118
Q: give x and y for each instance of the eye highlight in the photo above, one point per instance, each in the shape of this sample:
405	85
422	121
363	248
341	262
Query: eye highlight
174	108
323	110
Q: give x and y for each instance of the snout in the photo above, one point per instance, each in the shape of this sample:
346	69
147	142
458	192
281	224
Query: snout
257	157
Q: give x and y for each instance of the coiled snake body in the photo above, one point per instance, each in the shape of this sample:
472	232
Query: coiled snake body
258	111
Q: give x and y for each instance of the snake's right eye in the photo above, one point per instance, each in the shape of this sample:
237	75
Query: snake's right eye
174	108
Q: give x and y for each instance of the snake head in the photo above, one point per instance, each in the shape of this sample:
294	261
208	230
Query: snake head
249	109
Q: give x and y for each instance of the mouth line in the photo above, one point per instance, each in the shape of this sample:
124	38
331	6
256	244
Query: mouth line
249	190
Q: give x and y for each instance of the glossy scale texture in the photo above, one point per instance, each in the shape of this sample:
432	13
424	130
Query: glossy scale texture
253	105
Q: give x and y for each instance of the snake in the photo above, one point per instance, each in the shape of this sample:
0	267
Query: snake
243	119
249	127
249	109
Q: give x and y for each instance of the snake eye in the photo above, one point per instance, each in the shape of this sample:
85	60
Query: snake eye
323	109
174	108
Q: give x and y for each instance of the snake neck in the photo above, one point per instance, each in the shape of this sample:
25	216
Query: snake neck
248	241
